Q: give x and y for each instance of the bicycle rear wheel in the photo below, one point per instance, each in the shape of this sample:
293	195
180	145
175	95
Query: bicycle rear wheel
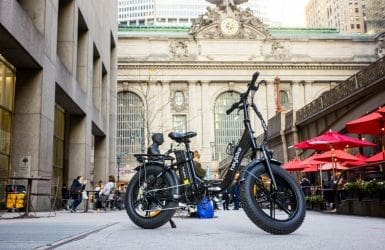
279	211
148	201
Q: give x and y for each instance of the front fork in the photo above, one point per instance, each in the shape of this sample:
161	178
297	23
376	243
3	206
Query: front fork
267	157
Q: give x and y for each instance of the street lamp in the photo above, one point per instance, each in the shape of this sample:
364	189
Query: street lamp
118	160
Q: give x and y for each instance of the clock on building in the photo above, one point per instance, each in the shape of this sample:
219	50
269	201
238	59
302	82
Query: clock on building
229	26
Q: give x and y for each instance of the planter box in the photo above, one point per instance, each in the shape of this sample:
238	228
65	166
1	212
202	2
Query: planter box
365	207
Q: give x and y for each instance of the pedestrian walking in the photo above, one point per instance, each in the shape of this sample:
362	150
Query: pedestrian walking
77	187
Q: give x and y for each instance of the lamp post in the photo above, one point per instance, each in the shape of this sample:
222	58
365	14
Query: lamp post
118	160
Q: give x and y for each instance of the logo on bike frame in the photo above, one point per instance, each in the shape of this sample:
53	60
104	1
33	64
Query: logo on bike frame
236	159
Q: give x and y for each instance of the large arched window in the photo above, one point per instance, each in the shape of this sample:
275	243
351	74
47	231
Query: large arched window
130	126
228	128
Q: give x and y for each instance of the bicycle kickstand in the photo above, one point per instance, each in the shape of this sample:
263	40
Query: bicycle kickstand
172	223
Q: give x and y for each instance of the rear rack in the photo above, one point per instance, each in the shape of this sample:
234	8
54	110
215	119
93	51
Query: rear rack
144	158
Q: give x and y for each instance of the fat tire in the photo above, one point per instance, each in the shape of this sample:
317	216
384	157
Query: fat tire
257	216
149	222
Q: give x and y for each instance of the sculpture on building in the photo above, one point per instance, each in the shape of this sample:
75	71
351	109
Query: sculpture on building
226	21
179	50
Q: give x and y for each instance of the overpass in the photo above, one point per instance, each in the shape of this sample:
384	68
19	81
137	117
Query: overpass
358	95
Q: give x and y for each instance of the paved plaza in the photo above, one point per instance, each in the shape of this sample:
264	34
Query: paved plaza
229	230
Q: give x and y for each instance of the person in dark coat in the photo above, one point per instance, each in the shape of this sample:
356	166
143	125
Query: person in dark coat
65	194
235	194
77	187
226	199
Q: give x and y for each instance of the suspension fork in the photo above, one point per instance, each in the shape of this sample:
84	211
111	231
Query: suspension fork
268	167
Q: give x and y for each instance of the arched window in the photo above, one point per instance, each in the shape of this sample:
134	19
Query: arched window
130	126
284	98
228	128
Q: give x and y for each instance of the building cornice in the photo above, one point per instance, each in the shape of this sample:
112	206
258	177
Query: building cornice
123	65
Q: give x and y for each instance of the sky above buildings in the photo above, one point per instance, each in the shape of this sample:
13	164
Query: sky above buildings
288	13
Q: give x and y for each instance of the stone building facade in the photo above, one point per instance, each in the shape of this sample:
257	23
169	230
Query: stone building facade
61	65
186	79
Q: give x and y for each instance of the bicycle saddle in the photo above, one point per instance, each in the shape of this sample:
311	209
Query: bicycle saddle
181	137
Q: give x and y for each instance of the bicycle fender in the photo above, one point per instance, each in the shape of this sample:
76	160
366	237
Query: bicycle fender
255	163
176	191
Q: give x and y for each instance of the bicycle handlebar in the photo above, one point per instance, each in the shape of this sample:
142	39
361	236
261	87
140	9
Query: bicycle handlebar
251	86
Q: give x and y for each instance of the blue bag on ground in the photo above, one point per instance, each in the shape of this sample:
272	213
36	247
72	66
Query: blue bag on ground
205	209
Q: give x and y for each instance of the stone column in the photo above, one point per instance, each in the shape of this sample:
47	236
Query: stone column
166	116
195	113
101	166
298	95
308	92
270	100
207	121
79	149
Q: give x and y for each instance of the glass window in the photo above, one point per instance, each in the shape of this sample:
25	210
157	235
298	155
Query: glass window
7	95
284	98
179	98
58	145
130	126
179	123
5	131
228	128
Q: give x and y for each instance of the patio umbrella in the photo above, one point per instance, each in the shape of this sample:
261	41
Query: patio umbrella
331	166
293	165
335	156
361	161
311	165
377	157
331	139
372	124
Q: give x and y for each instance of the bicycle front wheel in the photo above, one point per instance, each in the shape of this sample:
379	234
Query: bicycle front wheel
279	210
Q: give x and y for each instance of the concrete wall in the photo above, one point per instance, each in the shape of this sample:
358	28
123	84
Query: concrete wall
53	65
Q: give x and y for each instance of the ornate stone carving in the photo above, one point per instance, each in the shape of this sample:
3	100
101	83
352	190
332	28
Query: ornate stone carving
226	21
280	51
179	97
179	50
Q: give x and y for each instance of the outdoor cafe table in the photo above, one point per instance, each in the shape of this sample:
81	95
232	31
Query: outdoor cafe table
29	187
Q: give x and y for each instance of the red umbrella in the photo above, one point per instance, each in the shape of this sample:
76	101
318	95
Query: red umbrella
330	166
293	165
361	161
336	155
330	139
372	124
324	167
381	110
310	161
311	168
377	157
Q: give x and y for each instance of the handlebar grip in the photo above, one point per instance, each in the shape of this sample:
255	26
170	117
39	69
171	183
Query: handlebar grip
234	106
254	78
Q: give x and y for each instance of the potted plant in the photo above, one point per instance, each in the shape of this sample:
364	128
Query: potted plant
317	202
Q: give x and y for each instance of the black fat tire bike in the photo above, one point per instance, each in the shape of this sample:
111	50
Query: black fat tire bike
270	196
